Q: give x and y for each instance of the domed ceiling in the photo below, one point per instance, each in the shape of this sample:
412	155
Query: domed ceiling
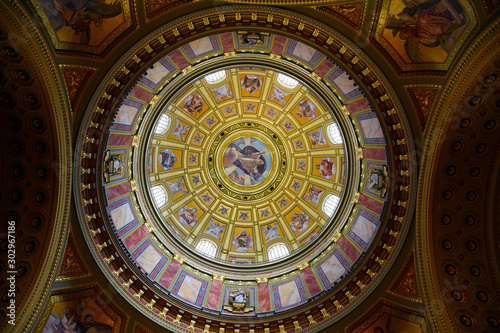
251	169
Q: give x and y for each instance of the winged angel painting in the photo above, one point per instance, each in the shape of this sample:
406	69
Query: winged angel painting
424	31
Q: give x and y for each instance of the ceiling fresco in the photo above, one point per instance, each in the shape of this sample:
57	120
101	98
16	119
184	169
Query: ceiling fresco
250	166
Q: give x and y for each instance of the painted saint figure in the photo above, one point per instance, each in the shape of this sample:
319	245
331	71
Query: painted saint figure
248	159
215	229
193	104
251	83
306	109
327	168
314	195
317	138
178	186
243	242
222	93
299	222
187	216
271	232
167	159
180	130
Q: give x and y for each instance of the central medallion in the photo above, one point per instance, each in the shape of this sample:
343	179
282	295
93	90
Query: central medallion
246	161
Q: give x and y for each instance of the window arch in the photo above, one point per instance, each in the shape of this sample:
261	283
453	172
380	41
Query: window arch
287	81
207	248
162	124
215	77
159	196
334	133
277	251
330	204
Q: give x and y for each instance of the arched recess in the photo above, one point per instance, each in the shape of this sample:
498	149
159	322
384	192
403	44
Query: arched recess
42	149
455	206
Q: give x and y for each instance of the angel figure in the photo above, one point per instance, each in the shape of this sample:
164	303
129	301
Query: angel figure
317	138
180	130
314	195
193	104
222	92
167	159
279	95
215	229
251	83
271	232
178	186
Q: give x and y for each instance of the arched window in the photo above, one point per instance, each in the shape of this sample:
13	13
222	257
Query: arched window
162	124
330	204
215	77
159	195
277	251
207	248
334	133
287	81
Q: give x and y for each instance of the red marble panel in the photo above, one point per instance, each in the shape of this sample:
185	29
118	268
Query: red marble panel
311	282
116	191
323	68
359	105
141	93
179	59
350	250
374	154
264	297
120	140
227	42
278	45
214	296
134	238
372	204
169	274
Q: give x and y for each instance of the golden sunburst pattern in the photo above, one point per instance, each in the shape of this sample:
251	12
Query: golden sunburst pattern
246	162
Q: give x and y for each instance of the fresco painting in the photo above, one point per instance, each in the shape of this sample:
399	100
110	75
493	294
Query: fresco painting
84	22
242	240
324	167
271	231
177	187
168	159
247	161
251	85
215	229
424	31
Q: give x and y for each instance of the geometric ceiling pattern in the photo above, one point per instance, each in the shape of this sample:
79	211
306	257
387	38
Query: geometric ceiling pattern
243	166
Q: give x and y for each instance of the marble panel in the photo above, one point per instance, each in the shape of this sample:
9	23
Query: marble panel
331	269
311	282
374	154
348	248
118	190
214	295
169	274
148	259
371	129
288	294
364	228
278	45
122	215
178	58
227	42
304	52
359	105
324	67
344	83
264	297
372	204
190	289
120	140
141	94
127	112
135	237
